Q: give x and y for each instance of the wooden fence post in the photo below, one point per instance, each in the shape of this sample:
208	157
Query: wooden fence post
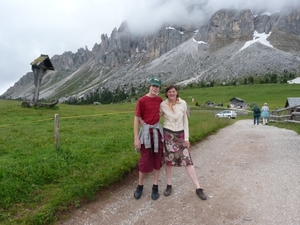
56	130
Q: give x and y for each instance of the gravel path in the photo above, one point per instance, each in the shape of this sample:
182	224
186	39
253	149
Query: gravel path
250	173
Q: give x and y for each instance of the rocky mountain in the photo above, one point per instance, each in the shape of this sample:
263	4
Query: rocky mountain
232	46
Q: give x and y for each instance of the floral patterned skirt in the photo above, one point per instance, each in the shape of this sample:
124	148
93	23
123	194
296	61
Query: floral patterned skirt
175	151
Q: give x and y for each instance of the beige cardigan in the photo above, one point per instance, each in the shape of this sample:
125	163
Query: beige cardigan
177	120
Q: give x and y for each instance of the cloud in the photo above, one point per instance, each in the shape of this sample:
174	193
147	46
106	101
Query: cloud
149	16
30	28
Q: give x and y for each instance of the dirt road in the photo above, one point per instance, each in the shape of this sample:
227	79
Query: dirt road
250	173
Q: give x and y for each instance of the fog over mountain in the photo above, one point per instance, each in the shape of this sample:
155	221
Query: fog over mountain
147	17
180	41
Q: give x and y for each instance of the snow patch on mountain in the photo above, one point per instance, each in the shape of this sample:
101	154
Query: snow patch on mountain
258	37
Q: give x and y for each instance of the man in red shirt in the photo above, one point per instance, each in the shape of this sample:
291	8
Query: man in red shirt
150	138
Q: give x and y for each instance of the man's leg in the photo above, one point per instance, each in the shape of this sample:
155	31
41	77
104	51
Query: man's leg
157	162
156	177
141	178
138	192
143	166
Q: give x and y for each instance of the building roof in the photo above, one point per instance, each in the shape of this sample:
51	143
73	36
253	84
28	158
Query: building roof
44	62
239	99
292	101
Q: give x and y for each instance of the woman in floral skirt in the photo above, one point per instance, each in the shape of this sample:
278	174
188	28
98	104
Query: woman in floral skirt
176	136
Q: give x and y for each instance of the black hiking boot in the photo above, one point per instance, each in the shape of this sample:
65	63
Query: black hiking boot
200	193
155	194
138	192
168	190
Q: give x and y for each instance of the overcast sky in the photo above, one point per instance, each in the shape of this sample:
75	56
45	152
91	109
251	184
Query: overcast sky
33	27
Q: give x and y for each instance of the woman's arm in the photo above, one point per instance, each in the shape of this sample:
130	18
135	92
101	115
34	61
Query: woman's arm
185	123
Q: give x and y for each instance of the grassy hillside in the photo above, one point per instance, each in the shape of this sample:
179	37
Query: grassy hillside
96	148
274	94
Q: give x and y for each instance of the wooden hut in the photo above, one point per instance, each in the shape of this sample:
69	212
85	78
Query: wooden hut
292	104
238	103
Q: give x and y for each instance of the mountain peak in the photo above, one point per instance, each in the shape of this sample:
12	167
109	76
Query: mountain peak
232	45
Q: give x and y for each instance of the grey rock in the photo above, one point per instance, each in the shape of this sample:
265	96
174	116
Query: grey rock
181	55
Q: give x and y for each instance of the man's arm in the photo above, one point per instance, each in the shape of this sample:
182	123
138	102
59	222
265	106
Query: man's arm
136	122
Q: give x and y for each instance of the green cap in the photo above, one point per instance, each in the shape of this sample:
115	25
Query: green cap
155	81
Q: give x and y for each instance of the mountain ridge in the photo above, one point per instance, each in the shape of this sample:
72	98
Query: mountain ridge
210	53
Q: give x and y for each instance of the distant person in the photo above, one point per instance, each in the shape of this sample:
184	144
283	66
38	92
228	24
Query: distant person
256	114
149	141
265	114
176	136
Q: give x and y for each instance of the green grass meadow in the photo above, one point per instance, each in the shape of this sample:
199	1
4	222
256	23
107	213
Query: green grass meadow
38	181
274	94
